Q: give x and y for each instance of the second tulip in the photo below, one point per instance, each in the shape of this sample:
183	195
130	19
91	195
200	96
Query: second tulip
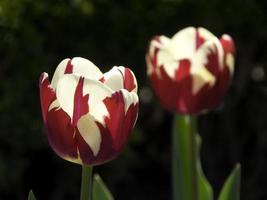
191	71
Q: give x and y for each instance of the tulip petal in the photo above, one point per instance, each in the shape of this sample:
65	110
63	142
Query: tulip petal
106	152
184	85
187	41
47	94
120	78
60	71
113	79
129	99
90	132
76	65
54	105
165	59
86	68
226	70
160	54
203	35
206	64
76	144
176	94
120	121
79	144
154	61
114	121
81	106
61	134
129	80
67	87
114	133
229	52
65	93
228	44
183	43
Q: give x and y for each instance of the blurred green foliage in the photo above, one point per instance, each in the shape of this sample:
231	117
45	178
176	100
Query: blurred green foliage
36	35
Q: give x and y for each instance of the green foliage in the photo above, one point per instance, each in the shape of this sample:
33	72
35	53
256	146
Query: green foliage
205	191
100	190
231	187
184	127
31	196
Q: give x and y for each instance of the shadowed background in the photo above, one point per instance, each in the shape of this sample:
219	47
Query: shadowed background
36	35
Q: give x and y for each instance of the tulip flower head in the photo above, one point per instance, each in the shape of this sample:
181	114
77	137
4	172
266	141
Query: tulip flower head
191	71
88	115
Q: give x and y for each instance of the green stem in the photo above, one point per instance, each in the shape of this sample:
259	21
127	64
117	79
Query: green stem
193	152
86	183
184	158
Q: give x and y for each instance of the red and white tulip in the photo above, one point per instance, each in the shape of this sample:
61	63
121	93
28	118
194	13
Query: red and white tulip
88	115
191	71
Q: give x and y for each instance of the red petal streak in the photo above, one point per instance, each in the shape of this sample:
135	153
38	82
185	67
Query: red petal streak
118	123
106	152
223	76
61	135
47	95
228	45
102	79
85	152
81	106
114	136
183	70
199	39
176	94
182	77
213	62
128	80
115	106
130	118
154	59
69	68
68	143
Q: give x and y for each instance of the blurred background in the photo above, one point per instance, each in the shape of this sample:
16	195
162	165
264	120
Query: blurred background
36	35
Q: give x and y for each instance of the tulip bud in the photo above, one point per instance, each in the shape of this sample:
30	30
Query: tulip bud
88	115
191	71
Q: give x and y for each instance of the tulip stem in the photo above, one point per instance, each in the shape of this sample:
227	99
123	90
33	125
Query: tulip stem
193	152
184	158
86	183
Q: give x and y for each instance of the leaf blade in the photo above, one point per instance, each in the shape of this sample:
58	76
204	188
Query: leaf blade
184	127
100	190
231	187
31	196
205	191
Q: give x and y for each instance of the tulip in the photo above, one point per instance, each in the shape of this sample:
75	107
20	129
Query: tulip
88	115
191	71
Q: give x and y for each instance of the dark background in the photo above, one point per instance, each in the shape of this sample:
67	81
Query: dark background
36	35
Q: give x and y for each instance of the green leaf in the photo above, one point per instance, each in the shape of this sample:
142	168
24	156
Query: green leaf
205	191
231	187
31	196
100	190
